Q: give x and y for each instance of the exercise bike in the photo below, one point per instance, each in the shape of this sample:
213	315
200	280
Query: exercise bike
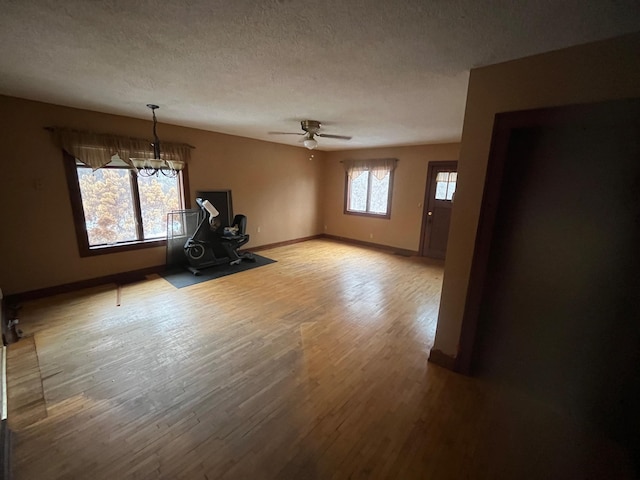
212	244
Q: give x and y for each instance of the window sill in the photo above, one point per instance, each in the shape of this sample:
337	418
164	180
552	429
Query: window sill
121	247
385	216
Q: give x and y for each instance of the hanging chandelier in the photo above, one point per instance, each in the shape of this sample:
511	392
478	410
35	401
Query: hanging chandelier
148	167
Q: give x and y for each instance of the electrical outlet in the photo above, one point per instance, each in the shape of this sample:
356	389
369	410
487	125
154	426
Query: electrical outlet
325	227
371	235
258	228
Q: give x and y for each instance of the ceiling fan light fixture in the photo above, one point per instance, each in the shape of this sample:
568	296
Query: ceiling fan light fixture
310	143
311	129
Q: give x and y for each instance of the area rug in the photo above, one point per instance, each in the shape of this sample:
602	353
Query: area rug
182	277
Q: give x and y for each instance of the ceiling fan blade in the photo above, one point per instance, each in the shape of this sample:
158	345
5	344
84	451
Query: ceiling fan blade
339	137
284	133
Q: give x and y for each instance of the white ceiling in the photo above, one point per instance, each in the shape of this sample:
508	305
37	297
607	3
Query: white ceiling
385	72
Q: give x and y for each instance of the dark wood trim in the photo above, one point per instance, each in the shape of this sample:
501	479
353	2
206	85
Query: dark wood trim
135	193
442	359
486	222
5	450
586	114
76	207
184	183
123	247
398	251
386	216
392	176
368	215
427	197
75	198
117	278
346	193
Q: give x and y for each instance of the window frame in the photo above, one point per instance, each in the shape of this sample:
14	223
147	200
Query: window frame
77	209
347	191
448	183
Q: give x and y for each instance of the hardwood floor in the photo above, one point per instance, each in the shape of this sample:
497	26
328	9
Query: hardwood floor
314	367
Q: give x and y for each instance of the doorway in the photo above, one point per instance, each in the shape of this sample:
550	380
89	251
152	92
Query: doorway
440	191
553	303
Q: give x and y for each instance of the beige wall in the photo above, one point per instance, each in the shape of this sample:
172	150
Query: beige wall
276	186
402	230
583	74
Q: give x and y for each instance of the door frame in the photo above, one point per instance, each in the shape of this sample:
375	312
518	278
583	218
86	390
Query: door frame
425	204
613	111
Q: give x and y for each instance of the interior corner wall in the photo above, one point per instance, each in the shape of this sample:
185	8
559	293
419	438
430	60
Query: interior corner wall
402	230
276	186
587	73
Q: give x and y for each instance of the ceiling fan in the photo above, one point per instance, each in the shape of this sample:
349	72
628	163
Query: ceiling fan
311	129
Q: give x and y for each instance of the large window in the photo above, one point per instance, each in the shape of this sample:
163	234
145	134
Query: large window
368	187
117	209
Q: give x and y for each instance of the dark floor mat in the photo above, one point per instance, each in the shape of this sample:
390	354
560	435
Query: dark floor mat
182	277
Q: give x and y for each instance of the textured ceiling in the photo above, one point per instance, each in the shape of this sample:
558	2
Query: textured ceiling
385	72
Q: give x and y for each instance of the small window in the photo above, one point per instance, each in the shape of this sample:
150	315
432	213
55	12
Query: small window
368	187
446	185
114	208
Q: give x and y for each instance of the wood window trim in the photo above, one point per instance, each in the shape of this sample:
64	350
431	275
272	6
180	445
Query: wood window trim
386	216
82	239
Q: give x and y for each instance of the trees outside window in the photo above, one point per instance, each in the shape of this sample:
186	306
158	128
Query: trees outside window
115	209
369	192
158	196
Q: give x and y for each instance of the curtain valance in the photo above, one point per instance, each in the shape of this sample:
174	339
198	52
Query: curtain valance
379	167
96	149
